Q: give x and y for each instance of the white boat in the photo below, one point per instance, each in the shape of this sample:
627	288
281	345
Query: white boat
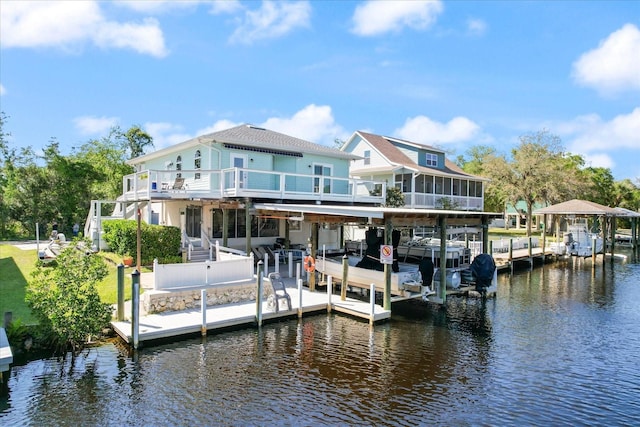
408	279
579	241
457	254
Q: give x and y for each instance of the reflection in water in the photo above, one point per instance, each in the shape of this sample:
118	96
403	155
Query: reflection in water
558	346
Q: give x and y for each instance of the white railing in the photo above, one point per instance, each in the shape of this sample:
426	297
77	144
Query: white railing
441	201
238	182
186	241
173	277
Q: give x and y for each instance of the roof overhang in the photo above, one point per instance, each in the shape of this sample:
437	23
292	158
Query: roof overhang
374	216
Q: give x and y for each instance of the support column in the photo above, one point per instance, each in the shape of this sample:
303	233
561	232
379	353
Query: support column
388	231
485	235
613	237
314	253
225	227
247	222
442	224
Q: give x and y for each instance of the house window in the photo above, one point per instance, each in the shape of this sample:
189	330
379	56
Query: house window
197	162
237	228
404	182
322	179
179	166
431	159
367	157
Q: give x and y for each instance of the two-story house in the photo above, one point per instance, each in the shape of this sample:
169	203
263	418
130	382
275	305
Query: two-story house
207	186
426	177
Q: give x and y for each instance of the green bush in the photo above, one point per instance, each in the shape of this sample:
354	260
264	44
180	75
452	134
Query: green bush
65	299
157	241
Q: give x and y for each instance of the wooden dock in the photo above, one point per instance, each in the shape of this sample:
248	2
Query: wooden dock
508	261
6	356
220	317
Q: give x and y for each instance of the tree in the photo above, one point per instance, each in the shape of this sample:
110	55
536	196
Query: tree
65	300
538	171
494	196
395	198
136	141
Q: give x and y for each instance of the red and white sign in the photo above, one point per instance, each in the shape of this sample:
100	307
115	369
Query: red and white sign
386	254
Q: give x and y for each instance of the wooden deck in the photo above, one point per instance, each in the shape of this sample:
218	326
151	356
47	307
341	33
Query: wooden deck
519	256
190	322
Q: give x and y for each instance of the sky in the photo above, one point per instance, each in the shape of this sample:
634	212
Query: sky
451	74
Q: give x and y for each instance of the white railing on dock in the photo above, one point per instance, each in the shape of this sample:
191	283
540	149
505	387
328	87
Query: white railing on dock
224	271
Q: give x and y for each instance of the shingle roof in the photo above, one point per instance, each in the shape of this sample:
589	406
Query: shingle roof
386	147
254	137
576	207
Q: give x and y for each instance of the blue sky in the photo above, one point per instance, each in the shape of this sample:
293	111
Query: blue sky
449	74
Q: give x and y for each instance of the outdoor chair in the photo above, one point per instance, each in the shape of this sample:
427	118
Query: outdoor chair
178	184
279	290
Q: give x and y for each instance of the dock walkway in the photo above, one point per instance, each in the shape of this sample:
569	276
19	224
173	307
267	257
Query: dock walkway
217	317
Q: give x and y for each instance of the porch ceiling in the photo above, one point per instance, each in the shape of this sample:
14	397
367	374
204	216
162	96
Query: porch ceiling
373	215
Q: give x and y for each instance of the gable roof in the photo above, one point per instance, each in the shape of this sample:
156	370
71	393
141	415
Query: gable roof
252	138
386	147
576	207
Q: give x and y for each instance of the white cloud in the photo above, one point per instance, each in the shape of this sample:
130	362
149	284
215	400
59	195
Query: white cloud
89	125
166	134
226	6
157	6
272	20
423	130
3	91
476	27
314	123
599	160
218	126
591	133
614	65
68	25
379	17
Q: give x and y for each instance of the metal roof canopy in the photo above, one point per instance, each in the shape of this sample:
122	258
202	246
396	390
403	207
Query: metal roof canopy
373	216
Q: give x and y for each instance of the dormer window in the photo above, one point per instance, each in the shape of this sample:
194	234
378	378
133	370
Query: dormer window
431	160
179	166
197	162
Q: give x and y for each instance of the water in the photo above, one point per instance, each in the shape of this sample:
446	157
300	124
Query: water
558	346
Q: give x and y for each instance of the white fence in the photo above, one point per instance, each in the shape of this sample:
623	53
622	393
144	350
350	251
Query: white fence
231	269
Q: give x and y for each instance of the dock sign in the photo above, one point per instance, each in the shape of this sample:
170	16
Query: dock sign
386	254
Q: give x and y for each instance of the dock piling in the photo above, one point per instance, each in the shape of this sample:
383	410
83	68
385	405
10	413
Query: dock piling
299	297
120	310
372	300
329	292
135	308
203	309
259	294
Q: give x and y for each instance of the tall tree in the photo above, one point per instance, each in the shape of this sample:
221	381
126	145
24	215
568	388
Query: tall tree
136	140
538	171
478	156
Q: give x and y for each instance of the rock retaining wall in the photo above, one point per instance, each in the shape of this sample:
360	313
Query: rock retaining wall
184	299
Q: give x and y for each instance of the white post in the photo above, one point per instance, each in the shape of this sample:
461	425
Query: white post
266	265
299	297
203	308
372	298
290	264
297	272
277	262
217	250
329	292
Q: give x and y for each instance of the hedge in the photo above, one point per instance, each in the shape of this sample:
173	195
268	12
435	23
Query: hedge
158	241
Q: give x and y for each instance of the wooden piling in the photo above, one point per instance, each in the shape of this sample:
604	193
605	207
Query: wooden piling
345	277
120	310
259	294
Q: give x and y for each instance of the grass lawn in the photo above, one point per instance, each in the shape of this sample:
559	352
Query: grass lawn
16	266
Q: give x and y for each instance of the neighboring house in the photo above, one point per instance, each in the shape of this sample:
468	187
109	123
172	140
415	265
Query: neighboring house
206	184
427	179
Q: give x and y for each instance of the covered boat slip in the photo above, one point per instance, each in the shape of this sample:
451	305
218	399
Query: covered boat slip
387	220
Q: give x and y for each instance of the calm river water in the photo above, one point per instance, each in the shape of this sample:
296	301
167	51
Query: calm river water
557	346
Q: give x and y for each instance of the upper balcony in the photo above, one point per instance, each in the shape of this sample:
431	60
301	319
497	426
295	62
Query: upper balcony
442	201
248	183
